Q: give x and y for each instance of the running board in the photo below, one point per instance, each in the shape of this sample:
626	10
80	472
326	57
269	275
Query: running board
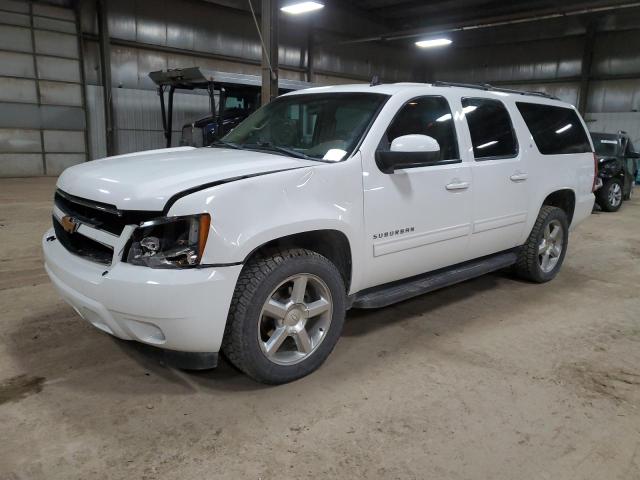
398	291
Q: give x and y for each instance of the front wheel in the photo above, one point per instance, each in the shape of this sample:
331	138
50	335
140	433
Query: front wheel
541	257
609	196
286	315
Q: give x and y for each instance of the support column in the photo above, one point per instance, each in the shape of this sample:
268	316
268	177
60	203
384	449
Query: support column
105	71
310	52
270	51
585	71
89	154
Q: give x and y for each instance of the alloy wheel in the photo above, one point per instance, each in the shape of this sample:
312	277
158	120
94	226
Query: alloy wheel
550	247
295	319
615	194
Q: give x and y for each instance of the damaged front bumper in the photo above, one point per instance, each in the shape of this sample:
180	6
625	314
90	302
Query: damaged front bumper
178	310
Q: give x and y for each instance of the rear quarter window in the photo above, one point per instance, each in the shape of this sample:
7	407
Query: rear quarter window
556	130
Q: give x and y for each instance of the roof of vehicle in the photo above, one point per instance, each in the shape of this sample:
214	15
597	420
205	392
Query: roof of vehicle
437	87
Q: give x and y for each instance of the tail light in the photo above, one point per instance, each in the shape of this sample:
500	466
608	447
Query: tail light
595	172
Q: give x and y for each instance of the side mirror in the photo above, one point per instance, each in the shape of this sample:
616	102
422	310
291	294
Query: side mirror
408	151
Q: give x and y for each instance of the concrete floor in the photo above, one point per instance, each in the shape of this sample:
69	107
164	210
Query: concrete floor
493	378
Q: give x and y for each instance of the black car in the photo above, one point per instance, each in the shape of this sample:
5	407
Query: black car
617	169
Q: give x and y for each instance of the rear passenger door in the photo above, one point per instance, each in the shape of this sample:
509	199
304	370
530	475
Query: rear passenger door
499	175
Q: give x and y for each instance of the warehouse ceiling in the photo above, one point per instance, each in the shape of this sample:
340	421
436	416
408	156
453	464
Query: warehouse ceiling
420	13
467	21
407	19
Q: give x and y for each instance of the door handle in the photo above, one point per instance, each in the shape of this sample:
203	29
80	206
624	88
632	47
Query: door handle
457	186
519	177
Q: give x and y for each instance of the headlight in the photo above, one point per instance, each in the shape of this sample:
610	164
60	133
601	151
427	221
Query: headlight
172	242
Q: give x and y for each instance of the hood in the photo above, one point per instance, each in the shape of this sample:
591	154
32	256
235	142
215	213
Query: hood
146	180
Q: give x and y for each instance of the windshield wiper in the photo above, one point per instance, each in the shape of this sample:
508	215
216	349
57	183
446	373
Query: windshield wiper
222	143
277	148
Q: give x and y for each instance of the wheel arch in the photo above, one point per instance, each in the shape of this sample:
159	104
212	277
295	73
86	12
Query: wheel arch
330	243
564	199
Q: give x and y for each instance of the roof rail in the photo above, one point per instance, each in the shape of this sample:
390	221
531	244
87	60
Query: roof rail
490	88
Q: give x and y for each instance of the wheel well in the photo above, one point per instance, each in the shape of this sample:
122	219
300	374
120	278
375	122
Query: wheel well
564	199
331	244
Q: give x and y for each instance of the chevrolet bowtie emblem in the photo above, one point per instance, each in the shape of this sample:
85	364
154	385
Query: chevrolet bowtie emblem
69	224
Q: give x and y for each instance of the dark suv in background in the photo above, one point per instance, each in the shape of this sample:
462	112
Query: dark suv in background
617	169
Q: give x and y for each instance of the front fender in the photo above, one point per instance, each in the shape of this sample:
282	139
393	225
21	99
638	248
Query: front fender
247	213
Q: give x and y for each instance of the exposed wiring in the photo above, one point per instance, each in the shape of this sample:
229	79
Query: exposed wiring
264	48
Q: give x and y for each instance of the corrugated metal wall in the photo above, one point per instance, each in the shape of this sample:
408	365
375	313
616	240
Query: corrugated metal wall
42	125
150	35
613	122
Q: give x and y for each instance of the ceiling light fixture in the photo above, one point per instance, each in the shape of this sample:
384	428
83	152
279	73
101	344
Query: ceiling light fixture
434	42
302	7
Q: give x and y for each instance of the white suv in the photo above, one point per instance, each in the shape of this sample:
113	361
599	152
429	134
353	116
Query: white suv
323	200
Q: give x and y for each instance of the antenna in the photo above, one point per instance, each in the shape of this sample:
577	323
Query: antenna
374	81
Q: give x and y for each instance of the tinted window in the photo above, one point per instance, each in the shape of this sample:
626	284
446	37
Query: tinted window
606	144
490	127
556	130
427	116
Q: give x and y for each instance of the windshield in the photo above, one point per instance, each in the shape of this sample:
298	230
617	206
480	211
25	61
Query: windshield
605	145
317	126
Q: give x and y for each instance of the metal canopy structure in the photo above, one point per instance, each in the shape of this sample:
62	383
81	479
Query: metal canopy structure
196	78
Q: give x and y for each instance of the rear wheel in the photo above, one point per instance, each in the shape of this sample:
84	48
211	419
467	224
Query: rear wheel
286	315
609	197
542	255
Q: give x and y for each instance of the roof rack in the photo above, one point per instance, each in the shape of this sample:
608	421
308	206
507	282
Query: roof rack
490	88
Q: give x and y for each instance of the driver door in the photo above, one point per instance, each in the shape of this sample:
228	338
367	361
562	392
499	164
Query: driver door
418	219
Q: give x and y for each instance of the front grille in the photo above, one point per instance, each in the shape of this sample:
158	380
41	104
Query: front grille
83	246
102	216
98	215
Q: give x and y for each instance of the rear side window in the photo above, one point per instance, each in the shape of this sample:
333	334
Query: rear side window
556	130
490	126
426	116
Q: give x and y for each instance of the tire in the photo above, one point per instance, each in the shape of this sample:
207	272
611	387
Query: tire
531	264
269	314
609	196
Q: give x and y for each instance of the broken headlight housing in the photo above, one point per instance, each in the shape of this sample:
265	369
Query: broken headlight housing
171	242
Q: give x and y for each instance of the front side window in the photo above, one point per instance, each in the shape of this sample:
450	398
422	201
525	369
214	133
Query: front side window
425	116
316	126
557	130
490	127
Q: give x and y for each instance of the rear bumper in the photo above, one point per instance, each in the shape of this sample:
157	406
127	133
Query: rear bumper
181	310
583	209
